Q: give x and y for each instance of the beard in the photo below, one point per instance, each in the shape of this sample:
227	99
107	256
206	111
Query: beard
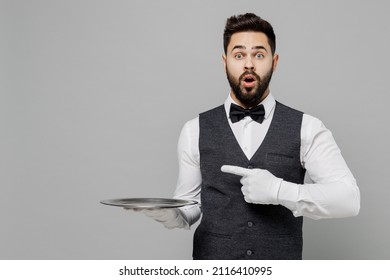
249	97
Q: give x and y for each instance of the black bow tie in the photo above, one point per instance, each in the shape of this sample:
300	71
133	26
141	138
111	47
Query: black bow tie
237	113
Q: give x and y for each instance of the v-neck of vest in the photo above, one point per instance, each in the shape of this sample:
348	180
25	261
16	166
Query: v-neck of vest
262	143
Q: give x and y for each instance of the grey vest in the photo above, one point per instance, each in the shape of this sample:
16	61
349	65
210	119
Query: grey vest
230	227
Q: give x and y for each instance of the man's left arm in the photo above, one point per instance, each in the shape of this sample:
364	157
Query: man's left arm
334	193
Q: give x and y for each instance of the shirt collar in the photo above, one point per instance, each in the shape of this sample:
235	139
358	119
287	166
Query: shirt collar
268	103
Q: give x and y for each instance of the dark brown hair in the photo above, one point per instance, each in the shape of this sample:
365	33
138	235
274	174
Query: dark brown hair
248	22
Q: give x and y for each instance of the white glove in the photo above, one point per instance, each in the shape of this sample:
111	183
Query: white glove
258	185
169	217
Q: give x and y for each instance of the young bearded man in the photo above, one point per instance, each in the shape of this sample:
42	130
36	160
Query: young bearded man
244	162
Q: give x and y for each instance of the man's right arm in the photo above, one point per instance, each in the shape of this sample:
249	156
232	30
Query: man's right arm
189	178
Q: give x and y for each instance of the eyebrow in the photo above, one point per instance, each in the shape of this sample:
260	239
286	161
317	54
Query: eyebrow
253	48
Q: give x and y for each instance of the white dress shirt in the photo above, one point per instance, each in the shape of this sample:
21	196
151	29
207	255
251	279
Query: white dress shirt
333	193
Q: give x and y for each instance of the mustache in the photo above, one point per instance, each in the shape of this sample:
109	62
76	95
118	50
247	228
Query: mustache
249	72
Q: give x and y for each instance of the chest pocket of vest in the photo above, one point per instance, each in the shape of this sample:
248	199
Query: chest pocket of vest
279	159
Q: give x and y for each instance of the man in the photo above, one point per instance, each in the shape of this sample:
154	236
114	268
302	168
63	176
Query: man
245	161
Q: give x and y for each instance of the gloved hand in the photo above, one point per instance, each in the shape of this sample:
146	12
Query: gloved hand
258	185
169	217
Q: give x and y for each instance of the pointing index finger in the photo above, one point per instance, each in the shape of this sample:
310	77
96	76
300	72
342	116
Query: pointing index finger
236	170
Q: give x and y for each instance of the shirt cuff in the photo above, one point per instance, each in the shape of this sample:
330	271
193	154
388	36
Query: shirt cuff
190	214
288	196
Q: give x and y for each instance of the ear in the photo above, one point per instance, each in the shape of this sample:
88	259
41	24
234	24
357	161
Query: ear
275	61
224	60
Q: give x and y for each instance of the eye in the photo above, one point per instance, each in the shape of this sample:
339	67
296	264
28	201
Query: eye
259	55
238	56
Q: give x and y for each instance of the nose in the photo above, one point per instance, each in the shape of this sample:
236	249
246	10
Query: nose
249	64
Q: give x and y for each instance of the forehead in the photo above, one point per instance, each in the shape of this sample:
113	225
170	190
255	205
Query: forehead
249	40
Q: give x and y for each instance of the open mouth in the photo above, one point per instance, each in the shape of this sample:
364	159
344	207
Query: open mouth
249	81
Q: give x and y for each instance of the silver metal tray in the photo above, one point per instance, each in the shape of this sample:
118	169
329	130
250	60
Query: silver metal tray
147	203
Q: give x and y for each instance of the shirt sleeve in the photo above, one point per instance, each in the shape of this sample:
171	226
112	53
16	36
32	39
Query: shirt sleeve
334	192
189	179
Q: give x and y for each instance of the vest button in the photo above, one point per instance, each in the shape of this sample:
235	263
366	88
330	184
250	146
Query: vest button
250	166
250	224
249	252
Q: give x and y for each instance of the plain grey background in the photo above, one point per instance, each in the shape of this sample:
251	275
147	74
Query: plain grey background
94	95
